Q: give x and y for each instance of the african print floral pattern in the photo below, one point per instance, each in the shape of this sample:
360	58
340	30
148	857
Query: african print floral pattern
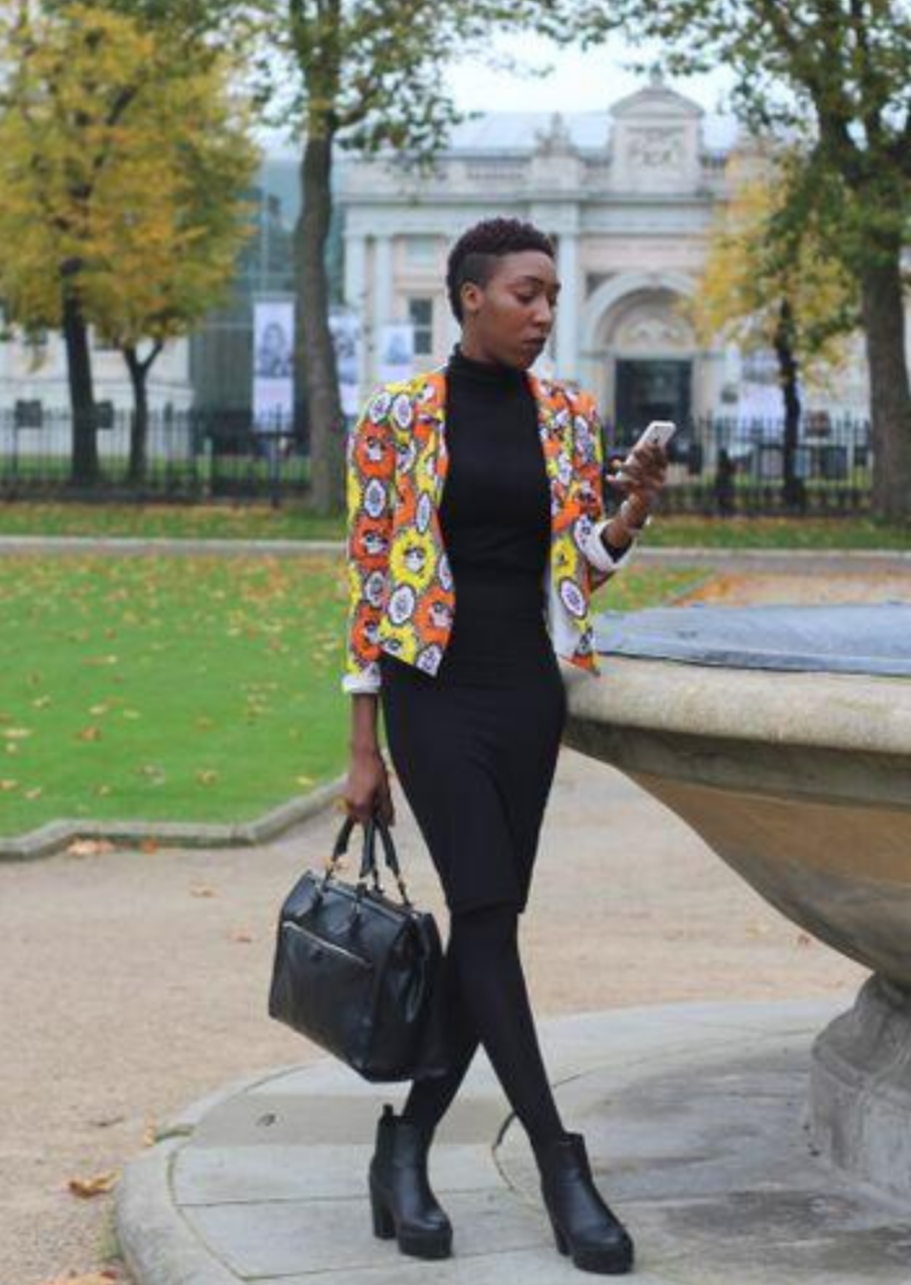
401	590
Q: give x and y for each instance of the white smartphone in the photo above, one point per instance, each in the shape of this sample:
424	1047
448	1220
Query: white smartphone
659	430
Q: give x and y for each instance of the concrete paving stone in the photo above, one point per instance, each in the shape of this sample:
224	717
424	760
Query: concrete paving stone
278	1239
222	1175
301	1121
767	1238
332	1078
512	1267
713	1164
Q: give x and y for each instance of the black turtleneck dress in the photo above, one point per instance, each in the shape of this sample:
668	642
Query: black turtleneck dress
475	745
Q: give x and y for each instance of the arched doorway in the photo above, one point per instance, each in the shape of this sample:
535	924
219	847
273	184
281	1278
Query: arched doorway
651	349
642	351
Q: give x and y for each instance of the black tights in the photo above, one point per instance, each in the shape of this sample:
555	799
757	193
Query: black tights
487	1002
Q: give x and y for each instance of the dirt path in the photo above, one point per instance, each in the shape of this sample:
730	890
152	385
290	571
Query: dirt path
136	982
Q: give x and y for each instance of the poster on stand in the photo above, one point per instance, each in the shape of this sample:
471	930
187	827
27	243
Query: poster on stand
273	364
396	357
346	336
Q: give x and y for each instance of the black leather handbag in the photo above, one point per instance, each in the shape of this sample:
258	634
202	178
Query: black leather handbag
356	972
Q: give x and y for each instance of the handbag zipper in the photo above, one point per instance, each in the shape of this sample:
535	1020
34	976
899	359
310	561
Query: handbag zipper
330	945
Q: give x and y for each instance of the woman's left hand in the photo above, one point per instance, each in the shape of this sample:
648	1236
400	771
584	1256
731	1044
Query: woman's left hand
644	473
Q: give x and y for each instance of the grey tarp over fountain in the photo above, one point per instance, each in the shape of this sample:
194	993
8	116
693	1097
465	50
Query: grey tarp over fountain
854	638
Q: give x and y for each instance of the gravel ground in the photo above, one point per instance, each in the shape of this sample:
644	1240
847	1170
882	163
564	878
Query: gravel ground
135	982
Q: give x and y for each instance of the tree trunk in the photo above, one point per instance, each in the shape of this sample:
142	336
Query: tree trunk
314	338
139	425
890	399
84	467
793	489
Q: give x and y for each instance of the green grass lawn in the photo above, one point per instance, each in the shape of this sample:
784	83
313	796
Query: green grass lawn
294	521
183	688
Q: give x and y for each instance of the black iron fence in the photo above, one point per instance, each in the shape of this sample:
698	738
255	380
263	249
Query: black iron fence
188	455
717	465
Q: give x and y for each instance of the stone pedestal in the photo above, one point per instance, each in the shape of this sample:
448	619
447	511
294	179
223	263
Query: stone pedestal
860	1087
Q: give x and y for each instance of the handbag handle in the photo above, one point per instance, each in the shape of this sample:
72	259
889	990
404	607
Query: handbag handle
376	823
368	860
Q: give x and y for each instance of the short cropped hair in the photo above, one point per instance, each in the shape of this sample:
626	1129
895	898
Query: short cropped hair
472	257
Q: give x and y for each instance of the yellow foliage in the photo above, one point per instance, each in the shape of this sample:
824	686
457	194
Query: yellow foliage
746	278
123	161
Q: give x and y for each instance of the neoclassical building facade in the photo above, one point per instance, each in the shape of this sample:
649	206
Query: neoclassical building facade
629	194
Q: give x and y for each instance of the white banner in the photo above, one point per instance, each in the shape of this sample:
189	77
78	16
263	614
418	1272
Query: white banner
760	396
396	358
346	336
273	364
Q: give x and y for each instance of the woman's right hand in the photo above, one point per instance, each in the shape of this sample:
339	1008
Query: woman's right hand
367	790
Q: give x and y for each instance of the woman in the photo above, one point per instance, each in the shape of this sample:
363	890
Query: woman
472	696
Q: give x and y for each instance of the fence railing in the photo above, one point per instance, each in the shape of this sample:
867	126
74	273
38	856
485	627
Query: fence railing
193	455
717	465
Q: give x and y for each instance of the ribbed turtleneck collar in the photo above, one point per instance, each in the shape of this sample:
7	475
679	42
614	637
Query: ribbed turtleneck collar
484	374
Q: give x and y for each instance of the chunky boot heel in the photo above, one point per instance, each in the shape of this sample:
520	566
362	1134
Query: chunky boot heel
559	1238
402	1203
584	1226
383	1223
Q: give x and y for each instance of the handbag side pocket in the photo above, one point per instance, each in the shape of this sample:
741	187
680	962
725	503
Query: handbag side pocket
323	989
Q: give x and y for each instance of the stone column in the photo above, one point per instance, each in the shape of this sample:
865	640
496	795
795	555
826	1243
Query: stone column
382	294
356	293
567	345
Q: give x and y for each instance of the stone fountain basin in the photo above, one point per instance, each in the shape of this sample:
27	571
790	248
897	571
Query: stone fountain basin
782	735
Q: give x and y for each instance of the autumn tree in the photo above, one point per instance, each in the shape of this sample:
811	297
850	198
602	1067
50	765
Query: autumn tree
836	73
369	74
769	282
176	254
122	157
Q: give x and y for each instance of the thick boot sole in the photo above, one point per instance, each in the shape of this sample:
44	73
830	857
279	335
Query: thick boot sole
415	1244
608	1262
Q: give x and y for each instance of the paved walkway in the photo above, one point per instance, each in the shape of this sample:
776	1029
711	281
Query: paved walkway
810	561
695	1120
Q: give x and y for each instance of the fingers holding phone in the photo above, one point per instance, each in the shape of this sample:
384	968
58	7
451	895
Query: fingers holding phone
646	464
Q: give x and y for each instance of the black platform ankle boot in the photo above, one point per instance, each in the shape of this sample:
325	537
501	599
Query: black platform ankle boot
583	1225
401	1200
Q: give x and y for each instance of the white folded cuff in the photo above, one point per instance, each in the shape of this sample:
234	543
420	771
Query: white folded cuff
368	680
599	557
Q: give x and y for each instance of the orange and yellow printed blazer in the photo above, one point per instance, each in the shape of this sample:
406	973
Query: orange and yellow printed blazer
401	592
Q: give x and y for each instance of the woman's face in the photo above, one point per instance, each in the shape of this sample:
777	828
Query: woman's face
510	318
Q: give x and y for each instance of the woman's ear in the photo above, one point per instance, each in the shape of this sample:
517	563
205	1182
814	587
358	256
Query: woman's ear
472	296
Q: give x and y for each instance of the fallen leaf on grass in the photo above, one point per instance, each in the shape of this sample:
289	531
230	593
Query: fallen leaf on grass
207	776
89	847
91	733
87	1187
304	780
16	733
7	783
